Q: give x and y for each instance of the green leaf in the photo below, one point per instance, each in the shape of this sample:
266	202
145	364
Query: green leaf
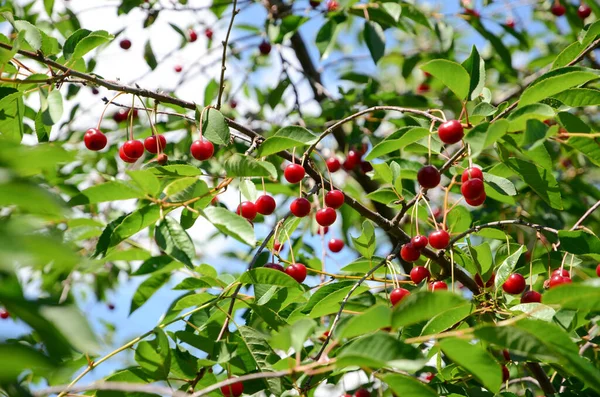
459	219
452	74
579	242
424	305
268	277
447	319
83	41
146	180
331	303
175	171
48	6
11	123
32	35
193	300
507	267
326	36
475	66
375	39
149	56
135	222
231	224
174	241
23	358
389	145
365	244
499	184
580	296
323	292
286	138
476	360
261	356
293	335
241	165
554	82
538	111
155	356
52	108
108	191
74	326
407	386
375	318
147	289
579	97
539	179
214	127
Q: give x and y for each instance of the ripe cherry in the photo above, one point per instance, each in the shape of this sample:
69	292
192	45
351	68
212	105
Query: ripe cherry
297	271
531	297
362	393
247	209
277	246
506	355
233	104
478	201
472	189
178	68
598	270
409	253
264	47
418	274
333	164
121	115
334	199
439	239
326	216
510	23
125	44
265	204
561	272
558	9
398	294
451	132
208	33
332	6
133	149
154	145
488	284
335	245
438	286
557	280
94	139
423	88
4	314
514	284
505	374
202	150
419	242
352	160
274	266
471	173
124	157
429	177
584	11
294	173
300	207
192	35
233	390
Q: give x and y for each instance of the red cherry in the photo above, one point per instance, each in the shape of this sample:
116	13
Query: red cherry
192	35
439	239
121	115
326	216
561	272
515	284
277	246
274	266
451	132
419	242
334	199
4	314
352	160
162	159
233	390
315	3
505	374
398	294
423	88
233	104
472	173
531	297
557	280
95	91
506	355
264	47
429	177
409	253
178	68
154	145
472	189
300	207
510	23
558	9
438	286
478	201
332	5
297	271
362	393
294	173
133	149
247	209
208	33
429	377
335	245
418	274
489	283
202	150
111	306
265	204
125	44
598	270
333	164
584	11
322	230
94	139
124	157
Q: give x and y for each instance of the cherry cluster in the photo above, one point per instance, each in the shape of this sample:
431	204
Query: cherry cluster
583	11
233	390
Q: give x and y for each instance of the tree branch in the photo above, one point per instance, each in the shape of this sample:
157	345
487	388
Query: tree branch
224	56
518	222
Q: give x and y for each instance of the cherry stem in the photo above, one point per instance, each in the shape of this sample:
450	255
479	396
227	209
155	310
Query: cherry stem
130	117
263	185
328	172
431	212
291	246
152	126
106	107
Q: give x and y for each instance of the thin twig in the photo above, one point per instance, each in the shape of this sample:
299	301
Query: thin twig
223	67
518	222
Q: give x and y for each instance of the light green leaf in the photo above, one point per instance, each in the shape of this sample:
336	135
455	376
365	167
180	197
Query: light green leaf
147	289
447	319
408	386
579	97
579	242
375	39
155	356
32	35
83	41
485	135
146	180
539	179
375	318
459	219
389	145
108	191
580	296
507	267
424	305
499	184
231	224
453	75
240	165
74	326
214	127
286	138
52	109
135	222
293	335
365	244
261	356
23	358
556	81
193	300
475	66
174	241
268	276
518	118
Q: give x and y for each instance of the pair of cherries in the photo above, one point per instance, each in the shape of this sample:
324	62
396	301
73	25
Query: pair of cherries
264	205
297	271
133	149
411	252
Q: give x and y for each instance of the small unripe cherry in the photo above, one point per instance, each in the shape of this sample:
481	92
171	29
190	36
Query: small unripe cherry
335	245
557	280
274	266
514	284
439	239
154	145
438	286
409	253
333	164
233	390
125	44
247	209
294	173
471	173
202	150
265	204
300	207
531	297
510	23
429	177
419	242
326	216
472	189
192	35
264	47
120	115
398	294
451	132
111	306
124	157
297	271
95	91
94	139
334	199
133	149
418	274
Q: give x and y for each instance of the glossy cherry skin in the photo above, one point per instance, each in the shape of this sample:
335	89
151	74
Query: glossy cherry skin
125	44
297	271
439	239
326	216
264	48
322	230
352	160
514	284
558	10
265	204
202	150
362	393
478	201
531	297
598	270
277	246
121	115
334	199
472	189
124	157
335	245
584	11
300	207
192	35
154	145
133	149
557	280
429	177
247	209
208	33
409	253
561	272
419	242
333	164
438	286
423	88
233	390
274	266
4	314
451	132
178	68
294	173
94	139
471	173
397	295
418	274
